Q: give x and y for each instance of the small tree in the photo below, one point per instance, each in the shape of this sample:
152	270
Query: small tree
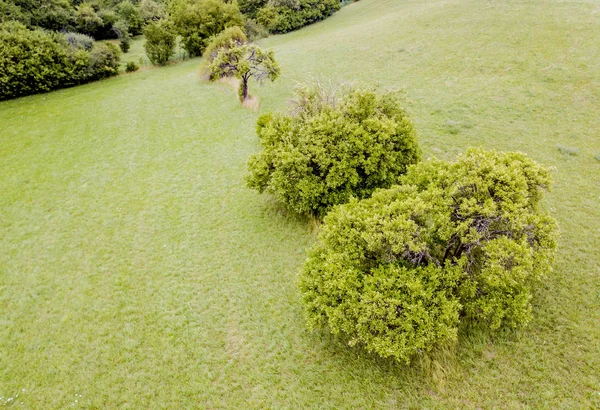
244	62
160	41
122	30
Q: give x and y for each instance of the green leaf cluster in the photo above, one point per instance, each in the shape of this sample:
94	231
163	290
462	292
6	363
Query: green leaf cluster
160	41
458	241
244	61
332	148
281	16
33	61
197	21
230	37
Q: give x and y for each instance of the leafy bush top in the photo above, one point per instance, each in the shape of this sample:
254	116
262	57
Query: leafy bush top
160	41
464	240
232	36
33	61
196	22
329	149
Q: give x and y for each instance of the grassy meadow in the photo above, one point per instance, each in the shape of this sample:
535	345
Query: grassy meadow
137	270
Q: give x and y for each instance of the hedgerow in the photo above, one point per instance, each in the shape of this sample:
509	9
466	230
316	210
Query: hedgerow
33	61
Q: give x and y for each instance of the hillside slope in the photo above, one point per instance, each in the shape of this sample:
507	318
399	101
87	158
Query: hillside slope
137	271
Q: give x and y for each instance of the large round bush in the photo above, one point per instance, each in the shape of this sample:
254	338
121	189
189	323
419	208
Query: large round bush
329	149
397	272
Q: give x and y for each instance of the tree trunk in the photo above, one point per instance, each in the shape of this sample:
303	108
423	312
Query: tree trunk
244	89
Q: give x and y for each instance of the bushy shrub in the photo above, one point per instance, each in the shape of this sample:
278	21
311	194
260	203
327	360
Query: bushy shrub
454	241
77	40
31	61
232	36
281	16
104	61
160	41
130	13
331	148
11	12
197	21
87	20
131	67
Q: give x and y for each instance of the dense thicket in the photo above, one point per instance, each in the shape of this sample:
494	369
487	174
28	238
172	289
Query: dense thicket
197	21
458	241
331	148
281	16
33	61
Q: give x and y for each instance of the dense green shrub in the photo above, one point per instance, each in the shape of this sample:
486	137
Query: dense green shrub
331	148
11	12
232	36
131	67
281	16
196	21
104	61
33	61
87	20
30	61
251	7
455	241
130	13
160	41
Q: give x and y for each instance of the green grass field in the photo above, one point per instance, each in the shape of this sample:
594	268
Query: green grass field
137	270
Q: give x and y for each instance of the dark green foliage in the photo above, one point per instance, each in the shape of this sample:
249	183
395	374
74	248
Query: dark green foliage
455	241
130	13
244	62
332	148
281	16
251	7
122	30
33	61
11	12
230	37
160	41
131	67
87	20
30	61
49	14
197	21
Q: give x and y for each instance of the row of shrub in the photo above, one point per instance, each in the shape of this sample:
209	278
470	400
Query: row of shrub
33	61
282	16
408	250
94	18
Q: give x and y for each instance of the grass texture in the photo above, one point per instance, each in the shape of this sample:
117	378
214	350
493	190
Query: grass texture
137	271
